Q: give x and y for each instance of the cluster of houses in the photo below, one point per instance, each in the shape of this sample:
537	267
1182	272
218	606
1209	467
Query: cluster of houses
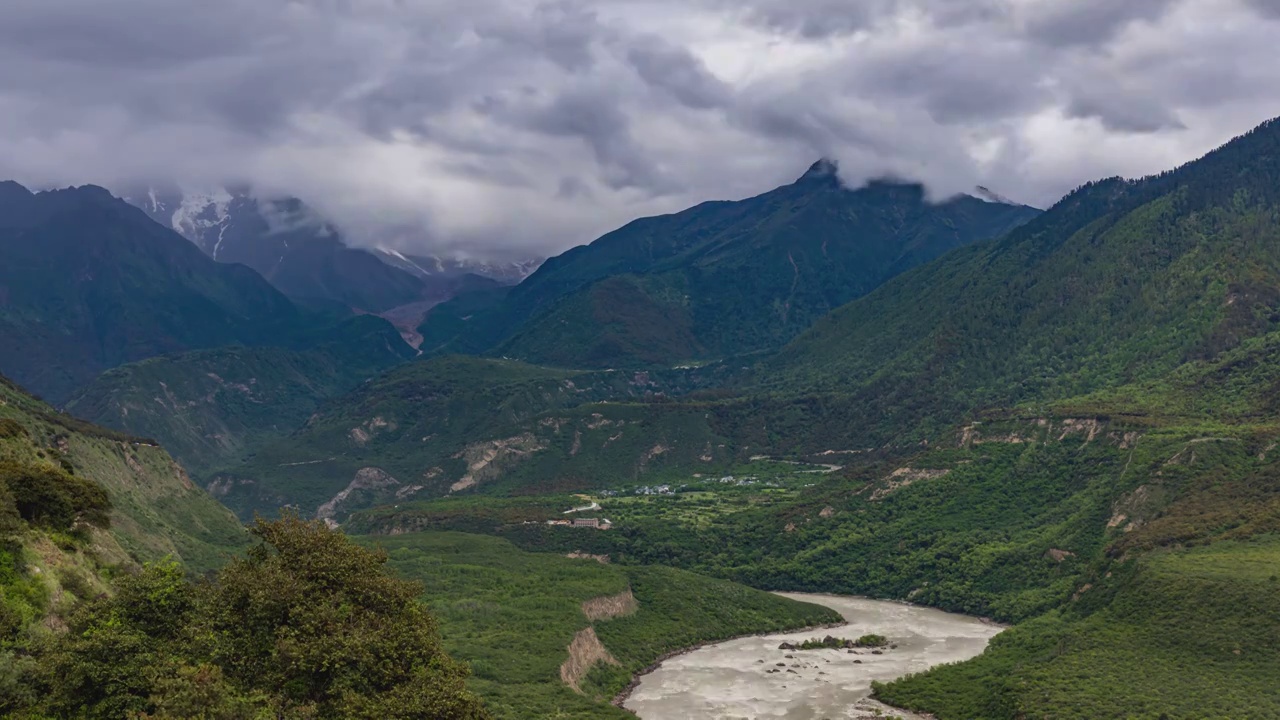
655	490
593	523
740	482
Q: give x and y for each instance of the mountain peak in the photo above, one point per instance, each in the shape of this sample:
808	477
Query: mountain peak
984	193
824	170
11	188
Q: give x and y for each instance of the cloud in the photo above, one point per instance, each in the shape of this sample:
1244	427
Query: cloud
501	126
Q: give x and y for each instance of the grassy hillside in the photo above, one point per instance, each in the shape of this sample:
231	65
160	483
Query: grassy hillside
513	616
212	408
1134	541
156	510
722	278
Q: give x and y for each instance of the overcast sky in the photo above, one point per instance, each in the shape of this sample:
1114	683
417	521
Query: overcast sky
498	124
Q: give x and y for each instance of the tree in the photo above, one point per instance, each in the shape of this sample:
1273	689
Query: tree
307	626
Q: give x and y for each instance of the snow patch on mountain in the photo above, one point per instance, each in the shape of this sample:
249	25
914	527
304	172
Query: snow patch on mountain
198	213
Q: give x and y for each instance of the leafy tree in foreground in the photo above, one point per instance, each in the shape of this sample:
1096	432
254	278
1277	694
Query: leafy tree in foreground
307	626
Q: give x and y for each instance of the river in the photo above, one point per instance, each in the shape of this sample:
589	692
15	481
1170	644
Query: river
732	680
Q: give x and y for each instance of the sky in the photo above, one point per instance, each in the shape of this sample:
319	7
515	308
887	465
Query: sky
523	126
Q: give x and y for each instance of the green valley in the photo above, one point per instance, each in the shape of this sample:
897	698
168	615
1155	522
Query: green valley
1066	421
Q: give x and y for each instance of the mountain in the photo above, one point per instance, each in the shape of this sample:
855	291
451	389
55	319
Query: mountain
1122	281
505	272
725	278
287	243
214	407
88	282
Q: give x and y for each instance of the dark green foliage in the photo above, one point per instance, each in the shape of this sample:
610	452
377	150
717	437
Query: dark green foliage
831	642
614	322
722	278
52	498
1192	634
447	324
306	626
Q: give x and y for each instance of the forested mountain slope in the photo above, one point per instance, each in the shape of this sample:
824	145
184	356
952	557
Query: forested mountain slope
214	407
88	282
456	423
723	278
1121	281
77	504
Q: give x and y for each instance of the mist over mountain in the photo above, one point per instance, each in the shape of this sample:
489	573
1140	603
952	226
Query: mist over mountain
304	255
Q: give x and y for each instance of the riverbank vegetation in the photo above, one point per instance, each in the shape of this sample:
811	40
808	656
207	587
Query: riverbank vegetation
512	615
1180	634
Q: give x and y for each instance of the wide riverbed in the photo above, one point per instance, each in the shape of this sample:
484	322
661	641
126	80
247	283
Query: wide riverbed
732	680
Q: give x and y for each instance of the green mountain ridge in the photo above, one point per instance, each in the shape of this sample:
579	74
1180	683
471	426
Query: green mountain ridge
88	282
719	279
1121	281
1073	427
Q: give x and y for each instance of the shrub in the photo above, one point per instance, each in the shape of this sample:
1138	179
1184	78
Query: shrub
10	428
51	498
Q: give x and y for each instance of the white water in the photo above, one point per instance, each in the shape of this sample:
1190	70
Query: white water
728	681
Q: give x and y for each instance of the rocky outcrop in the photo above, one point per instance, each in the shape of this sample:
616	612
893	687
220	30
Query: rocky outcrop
367	480
579	555
487	460
362	434
903	477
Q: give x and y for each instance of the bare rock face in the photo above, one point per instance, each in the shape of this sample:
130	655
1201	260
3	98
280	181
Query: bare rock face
369	480
487	460
584	652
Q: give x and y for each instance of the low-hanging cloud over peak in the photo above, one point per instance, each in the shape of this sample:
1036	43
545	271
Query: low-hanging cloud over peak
505	124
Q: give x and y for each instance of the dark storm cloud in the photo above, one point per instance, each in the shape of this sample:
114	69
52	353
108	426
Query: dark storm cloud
507	123
1270	8
679	72
1089	22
